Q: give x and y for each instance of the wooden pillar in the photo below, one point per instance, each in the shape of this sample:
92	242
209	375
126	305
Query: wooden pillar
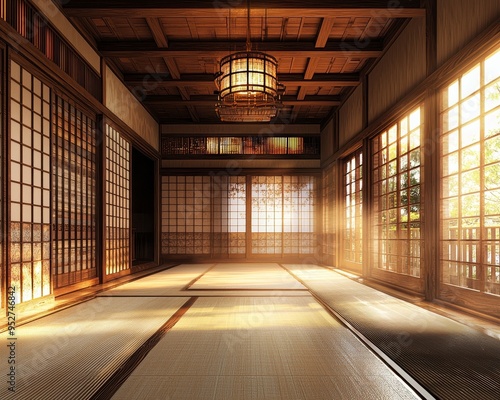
432	222
100	200
367	208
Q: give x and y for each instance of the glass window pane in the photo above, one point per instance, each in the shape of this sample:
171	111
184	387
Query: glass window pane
470	82
491	70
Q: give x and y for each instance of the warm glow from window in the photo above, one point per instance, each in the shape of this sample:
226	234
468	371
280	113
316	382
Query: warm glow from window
397	196
470	171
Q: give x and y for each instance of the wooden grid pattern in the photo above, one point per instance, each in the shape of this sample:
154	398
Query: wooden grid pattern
207	215
117	202
353	211
74	191
397	197
173	51
29	185
470	190
186	214
213	27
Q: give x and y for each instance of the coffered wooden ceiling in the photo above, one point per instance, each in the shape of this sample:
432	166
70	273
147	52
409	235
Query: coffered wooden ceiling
168	51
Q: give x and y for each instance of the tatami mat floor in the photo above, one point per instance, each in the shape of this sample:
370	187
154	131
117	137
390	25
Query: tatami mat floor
260	348
209	331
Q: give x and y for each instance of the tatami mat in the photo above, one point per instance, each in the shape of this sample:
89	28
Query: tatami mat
260	348
70	354
449	359
218	279
168	282
247	276
251	332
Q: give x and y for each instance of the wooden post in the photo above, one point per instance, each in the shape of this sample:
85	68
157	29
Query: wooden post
431	134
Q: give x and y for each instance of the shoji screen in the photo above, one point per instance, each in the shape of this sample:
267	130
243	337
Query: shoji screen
30	185
267	214
117	198
229	215
299	206
283	214
74	192
208	215
186	208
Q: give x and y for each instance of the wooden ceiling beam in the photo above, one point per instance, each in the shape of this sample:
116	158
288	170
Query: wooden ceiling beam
311	67
346	48
302	93
194	80
209	101
172	67
324	32
157	32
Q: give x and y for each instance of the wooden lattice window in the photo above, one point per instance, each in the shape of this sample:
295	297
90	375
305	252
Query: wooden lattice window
74	191
470	171
397	197
117	217
353	211
29	185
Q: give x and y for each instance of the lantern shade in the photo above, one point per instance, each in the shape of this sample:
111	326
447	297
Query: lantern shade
248	87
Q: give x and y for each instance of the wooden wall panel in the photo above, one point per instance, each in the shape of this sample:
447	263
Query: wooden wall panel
401	69
459	21
125	106
328	141
351	116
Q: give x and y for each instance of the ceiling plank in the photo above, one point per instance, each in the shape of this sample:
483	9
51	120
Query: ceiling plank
217	49
209	101
192	28
186	80
324	32
157	32
202	8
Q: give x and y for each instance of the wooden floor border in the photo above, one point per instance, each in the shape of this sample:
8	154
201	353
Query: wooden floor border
109	388
193	281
